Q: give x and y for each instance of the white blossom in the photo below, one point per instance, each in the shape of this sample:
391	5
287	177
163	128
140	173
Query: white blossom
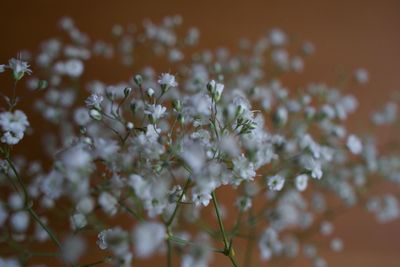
14	125
167	80
148	238
354	144
301	182
19	68
276	182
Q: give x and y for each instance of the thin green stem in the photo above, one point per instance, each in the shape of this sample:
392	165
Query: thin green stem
44	226
219	218
105	260
29	207
171	219
228	248
169	251
186	242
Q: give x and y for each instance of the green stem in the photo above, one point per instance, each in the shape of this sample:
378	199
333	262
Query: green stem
186	242
171	219
29	207
219	218
169	250
228	249
44	226
105	260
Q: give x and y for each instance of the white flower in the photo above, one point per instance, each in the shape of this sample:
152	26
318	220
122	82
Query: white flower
362	76
301	182
2	68
14	122
20	221
85	205
268	244
73	67
243	168
313	166
336	244
148	237
12	138
108	203
115	239
94	100
194	156
72	248
81	116
276	182
13	126
354	144
155	111
277	37
19	68
78	221
167	80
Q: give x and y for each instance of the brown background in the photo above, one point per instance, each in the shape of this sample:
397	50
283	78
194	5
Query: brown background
347	34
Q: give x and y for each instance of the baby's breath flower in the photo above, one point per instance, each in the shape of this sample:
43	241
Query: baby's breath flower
301	182
276	182
354	144
148	238
155	112
362	76
167	81
94	100
13	125
19	68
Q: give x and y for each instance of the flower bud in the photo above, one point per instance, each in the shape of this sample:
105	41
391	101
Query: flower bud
127	91
177	105
181	119
138	79
150	92
133	107
42	84
95	114
129	126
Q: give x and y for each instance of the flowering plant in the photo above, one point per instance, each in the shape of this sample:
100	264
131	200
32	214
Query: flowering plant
137	165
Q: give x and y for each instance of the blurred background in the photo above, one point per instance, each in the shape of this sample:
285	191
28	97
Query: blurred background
347	34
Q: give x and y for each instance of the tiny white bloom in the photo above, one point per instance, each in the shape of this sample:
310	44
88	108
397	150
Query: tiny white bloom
362	76
19	68
167	80
148	238
155	111
276	182
301	182
74	67
94	100
13	126
354	144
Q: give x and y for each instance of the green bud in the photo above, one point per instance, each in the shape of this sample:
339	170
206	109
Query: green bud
181	119
150	92
127	91
42	84
95	114
138	79
18	75
133	107
177	105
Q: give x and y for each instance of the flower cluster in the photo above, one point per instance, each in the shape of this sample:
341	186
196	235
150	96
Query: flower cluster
140	162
